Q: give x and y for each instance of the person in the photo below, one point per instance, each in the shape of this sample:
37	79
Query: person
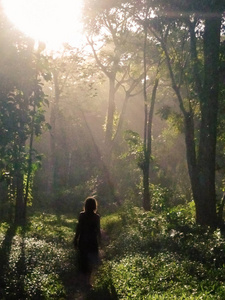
87	239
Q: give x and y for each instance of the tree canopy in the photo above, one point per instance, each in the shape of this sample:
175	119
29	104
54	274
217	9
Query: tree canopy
162	61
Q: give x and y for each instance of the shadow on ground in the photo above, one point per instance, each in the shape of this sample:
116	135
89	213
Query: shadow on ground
77	290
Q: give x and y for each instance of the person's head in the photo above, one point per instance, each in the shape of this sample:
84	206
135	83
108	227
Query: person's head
90	204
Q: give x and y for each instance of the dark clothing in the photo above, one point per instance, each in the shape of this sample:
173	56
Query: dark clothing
86	238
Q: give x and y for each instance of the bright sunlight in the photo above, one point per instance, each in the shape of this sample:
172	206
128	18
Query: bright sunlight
53	22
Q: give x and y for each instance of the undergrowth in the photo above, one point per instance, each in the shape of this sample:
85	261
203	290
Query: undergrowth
146	256
162	256
36	260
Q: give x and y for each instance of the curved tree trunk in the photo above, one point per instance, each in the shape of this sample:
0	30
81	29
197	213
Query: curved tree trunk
201	159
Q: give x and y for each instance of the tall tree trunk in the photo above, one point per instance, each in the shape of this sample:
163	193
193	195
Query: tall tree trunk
18	166
19	208
146	162
29	167
201	165
149	111
106	186
148	148
121	119
109	121
206	205
53	135
146	191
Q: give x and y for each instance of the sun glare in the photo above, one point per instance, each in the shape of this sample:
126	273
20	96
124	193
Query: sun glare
53	22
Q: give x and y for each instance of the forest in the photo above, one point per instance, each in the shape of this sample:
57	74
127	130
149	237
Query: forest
135	117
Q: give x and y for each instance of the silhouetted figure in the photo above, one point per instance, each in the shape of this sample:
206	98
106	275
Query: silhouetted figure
87	238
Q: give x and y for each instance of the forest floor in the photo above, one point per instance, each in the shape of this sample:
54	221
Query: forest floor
39	261
149	256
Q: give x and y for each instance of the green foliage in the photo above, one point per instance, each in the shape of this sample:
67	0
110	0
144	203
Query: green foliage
71	200
112	224
52	228
147	256
181	215
30	264
162	277
174	119
160	197
35	261
22	113
162	256
135	144
3	229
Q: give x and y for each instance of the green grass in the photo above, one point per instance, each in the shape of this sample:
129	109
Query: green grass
147	256
37	261
162	256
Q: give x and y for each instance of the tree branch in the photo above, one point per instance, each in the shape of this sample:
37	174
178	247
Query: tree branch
104	69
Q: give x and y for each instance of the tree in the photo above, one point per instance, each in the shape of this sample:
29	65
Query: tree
70	93
119	54
22	112
116	49
195	81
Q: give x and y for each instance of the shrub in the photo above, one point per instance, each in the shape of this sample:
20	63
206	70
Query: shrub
163	256
34	260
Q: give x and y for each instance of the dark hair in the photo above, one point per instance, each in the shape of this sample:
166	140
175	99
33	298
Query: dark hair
90	204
